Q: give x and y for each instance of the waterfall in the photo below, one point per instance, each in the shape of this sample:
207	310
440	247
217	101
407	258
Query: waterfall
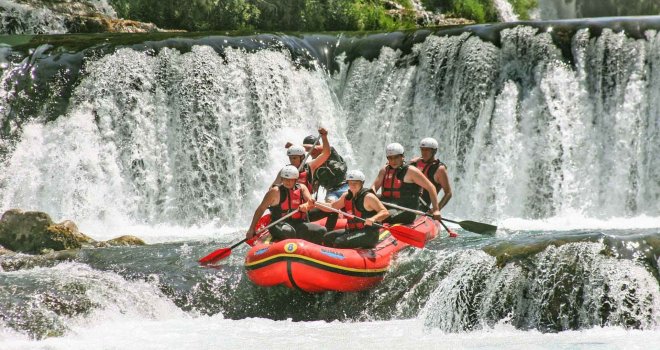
556	9
169	138
19	18
524	133
194	136
505	11
573	286
34	17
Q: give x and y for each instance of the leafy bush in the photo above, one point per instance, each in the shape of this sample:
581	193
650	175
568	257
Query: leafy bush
272	15
480	11
523	7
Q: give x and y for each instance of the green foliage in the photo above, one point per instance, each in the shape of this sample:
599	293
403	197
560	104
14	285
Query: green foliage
480	11
272	15
522	7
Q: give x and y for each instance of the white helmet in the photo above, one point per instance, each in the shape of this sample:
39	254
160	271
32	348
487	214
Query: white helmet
355	175
295	150
289	172
428	142
394	149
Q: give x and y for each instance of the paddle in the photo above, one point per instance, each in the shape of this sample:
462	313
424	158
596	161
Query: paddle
472	226
222	253
302	164
402	233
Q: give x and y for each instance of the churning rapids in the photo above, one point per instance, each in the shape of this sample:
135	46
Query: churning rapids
550	130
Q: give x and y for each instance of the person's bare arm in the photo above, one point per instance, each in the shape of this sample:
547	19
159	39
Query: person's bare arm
325	153
378	181
338	204
420	179
372	203
270	198
442	178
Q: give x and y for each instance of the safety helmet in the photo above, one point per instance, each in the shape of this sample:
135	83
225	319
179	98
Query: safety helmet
394	149
355	175
289	172
295	150
309	140
428	142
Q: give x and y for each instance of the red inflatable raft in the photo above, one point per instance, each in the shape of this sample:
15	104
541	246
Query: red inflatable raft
310	267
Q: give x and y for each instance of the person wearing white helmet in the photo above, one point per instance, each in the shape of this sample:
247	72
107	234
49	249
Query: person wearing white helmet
401	184
434	170
363	203
297	155
283	199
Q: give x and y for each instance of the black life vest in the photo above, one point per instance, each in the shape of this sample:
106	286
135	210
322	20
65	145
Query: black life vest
397	191
355	206
290	200
429	169
331	173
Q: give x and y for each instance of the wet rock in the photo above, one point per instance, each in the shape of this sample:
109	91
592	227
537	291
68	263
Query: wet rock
33	231
13	261
101	24
423	17
126	240
5	252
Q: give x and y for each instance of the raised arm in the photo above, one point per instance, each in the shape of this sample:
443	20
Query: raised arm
325	153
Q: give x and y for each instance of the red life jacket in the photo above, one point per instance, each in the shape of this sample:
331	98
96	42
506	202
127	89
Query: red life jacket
355	206
305	177
429	169
396	190
290	200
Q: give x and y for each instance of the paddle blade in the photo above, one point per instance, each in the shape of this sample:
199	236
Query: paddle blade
408	235
478	227
215	256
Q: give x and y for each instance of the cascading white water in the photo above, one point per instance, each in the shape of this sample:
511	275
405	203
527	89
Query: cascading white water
556	9
40	18
17	18
523	133
181	138
188	138
564	287
505	11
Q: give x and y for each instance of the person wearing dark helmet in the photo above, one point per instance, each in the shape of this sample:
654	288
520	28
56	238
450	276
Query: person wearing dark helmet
401	184
363	203
434	170
283	199
296	156
330	174
326	169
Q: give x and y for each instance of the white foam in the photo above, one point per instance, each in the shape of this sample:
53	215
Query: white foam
579	222
161	233
218	333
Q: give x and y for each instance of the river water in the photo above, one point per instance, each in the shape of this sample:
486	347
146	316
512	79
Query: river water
549	129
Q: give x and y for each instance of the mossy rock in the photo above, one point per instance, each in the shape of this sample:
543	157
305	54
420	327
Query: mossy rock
126	240
33	231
